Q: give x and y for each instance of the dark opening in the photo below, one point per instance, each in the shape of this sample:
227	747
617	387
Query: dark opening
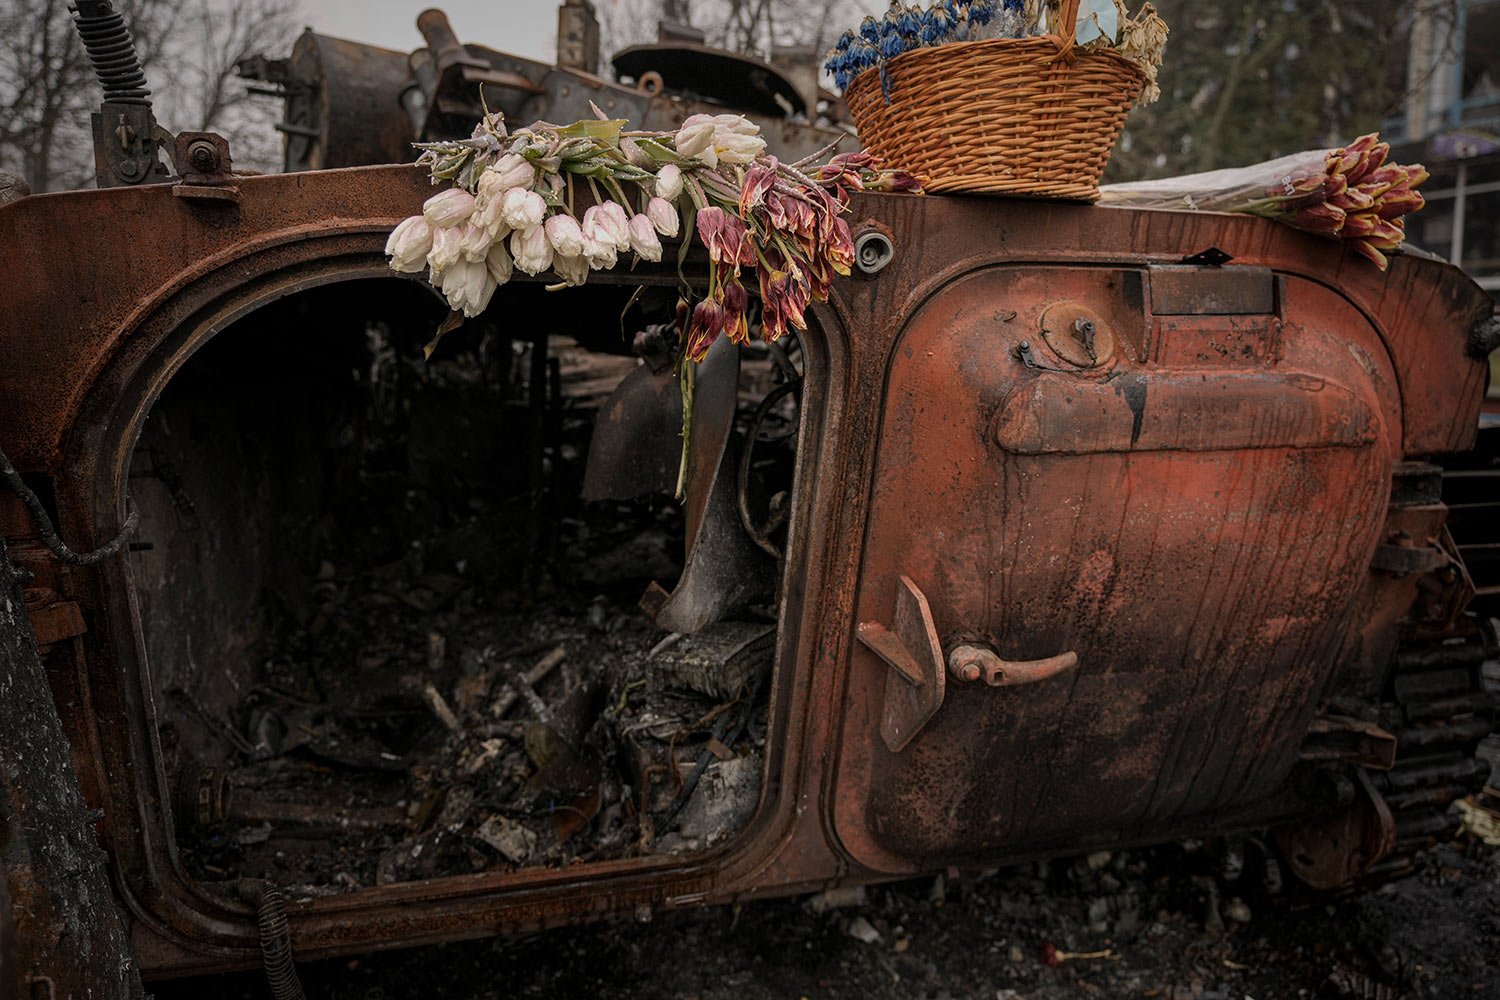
389	639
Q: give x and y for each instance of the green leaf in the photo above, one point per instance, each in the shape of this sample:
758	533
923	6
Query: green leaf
660	153
595	167
600	131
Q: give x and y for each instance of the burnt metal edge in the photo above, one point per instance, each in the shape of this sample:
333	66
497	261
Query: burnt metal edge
176	908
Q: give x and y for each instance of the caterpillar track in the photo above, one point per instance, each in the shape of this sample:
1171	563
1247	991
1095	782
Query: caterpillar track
1440	706
1444	687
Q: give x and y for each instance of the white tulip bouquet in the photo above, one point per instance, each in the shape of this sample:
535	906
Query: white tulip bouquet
515	198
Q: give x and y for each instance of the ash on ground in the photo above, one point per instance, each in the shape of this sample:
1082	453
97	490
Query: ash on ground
1159	924
541	737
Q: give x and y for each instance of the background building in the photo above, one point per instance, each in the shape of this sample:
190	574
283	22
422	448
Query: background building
1448	54
1450	120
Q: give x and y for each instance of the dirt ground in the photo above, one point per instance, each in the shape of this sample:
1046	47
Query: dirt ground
1150	924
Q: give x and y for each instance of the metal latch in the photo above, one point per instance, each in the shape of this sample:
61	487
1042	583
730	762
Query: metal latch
915	686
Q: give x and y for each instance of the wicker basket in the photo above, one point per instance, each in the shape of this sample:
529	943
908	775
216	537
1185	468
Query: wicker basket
1021	116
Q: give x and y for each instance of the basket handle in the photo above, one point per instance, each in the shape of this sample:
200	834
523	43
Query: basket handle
1067	19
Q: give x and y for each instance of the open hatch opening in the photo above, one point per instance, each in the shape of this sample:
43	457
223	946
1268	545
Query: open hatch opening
388	637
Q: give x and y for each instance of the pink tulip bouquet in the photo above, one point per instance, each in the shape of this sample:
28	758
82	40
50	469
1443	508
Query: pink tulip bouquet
570	200
1353	194
1358	197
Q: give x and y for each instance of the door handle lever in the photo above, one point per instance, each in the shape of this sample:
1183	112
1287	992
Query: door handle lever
915	684
967	664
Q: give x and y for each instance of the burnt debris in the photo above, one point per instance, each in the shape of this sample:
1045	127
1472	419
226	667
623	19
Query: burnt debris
435	657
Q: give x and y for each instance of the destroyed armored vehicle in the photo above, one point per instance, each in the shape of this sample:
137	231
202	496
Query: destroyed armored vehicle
1061	528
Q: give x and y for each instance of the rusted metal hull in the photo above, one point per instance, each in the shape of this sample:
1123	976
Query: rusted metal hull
1192	505
350	104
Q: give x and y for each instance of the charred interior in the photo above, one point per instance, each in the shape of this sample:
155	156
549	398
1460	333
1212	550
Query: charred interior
393	607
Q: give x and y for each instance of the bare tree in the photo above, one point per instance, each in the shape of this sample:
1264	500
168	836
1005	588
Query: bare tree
212	38
42	70
623	23
753	26
761	25
188	49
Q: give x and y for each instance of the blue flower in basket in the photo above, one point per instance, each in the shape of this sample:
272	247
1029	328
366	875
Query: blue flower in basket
875	42
851	57
931	33
942	22
839	59
892	44
862	56
908	22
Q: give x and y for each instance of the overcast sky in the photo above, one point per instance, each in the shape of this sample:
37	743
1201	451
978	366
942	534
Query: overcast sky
525	27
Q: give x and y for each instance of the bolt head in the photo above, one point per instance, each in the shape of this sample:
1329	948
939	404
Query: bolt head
203	156
965	669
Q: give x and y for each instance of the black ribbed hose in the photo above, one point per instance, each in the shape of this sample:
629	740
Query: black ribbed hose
112	52
275	938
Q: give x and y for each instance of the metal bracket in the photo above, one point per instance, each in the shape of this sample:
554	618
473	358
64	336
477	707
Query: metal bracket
126	140
915	686
1027	354
1077	335
202	158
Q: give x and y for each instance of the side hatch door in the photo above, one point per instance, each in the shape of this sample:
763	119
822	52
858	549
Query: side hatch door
1117	523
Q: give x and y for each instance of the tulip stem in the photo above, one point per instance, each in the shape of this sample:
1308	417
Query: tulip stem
616	191
685	379
815	157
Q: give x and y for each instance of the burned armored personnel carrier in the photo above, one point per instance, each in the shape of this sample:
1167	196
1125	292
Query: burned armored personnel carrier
1062	527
